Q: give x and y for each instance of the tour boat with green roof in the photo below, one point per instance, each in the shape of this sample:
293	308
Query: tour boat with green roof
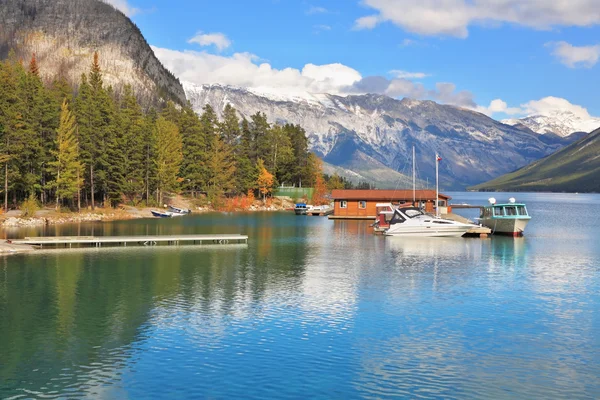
505	218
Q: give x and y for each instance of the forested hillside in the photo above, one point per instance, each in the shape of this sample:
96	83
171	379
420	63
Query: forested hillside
99	147
64	34
575	168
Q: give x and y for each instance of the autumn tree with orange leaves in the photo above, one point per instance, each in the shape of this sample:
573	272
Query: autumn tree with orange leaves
320	187
265	179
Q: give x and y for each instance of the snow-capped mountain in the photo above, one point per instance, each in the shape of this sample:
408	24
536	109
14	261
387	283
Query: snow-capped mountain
561	123
376	133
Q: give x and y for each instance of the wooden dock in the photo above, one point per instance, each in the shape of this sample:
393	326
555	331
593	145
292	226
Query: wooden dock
479	231
98	241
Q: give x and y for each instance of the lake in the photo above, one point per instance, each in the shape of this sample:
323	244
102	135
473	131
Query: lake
309	308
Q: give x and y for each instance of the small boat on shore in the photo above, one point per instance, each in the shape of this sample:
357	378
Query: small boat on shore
161	214
505	218
178	210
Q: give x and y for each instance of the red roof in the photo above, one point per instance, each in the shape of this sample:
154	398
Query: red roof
384	195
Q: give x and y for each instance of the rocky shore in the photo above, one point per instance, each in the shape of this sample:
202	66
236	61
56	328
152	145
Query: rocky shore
13	219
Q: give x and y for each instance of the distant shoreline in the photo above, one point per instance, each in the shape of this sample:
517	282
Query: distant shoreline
46	216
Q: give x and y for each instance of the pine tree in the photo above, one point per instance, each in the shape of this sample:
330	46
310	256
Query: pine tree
229	129
169	156
220	169
259	135
115	183
150	154
13	125
66	164
246	174
132	128
85	136
194	140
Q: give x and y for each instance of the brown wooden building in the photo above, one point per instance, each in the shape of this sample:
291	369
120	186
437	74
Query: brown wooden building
361	204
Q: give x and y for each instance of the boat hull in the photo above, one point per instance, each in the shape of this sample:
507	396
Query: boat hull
433	231
506	226
161	214
300	211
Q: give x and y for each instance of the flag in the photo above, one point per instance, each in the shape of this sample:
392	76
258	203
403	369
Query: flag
438	158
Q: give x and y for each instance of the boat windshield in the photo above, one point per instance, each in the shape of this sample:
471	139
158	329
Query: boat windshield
521	210
510	210
498	212
412	212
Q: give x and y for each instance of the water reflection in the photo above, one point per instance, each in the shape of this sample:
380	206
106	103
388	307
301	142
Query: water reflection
309	306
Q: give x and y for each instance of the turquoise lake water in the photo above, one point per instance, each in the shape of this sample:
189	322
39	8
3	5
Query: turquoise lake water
309	308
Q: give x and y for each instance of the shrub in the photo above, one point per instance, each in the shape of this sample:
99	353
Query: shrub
30	206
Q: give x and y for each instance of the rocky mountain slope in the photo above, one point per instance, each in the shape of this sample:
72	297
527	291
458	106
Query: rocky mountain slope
561	123
376	133
64	35
576	168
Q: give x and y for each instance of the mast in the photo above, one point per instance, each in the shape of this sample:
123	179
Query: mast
414	180
437	190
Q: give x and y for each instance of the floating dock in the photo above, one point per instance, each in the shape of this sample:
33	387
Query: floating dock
98	241
481	231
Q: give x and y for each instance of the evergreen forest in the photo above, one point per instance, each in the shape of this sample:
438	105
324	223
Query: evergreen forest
93	147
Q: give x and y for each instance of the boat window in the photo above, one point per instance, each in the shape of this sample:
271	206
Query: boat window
521	210
412	212
343	204
441	222
362	204
397	219
498	212
510	210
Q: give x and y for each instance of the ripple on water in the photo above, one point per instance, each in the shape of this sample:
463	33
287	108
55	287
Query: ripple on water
307	309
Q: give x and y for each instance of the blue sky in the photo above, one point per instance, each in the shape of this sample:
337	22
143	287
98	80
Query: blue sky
526	56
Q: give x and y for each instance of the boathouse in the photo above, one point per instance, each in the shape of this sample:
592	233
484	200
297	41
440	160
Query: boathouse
361	204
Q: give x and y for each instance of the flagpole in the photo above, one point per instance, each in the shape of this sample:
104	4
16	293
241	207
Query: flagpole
437	190
414	180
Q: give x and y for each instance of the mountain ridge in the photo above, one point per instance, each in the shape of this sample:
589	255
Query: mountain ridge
475	147
575	168
562	123
64	34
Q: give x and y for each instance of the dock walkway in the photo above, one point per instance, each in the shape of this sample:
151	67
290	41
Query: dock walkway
98	241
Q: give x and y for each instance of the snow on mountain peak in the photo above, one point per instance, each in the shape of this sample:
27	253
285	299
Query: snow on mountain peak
560	122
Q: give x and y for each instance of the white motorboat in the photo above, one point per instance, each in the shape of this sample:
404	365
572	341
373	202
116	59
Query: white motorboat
411	221
178	210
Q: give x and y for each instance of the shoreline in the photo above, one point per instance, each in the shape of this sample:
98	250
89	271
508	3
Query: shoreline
46	216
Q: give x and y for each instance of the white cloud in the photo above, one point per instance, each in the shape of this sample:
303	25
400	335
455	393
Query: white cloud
499	106
368	22
321	28
244	70
575	56
545	106
123	6
453	17
549	105
316	10
408	75
219	40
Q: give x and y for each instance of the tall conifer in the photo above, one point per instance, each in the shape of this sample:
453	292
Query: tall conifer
168	156
66	164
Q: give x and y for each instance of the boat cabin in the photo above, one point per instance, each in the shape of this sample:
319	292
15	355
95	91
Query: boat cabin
363	204
510	210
